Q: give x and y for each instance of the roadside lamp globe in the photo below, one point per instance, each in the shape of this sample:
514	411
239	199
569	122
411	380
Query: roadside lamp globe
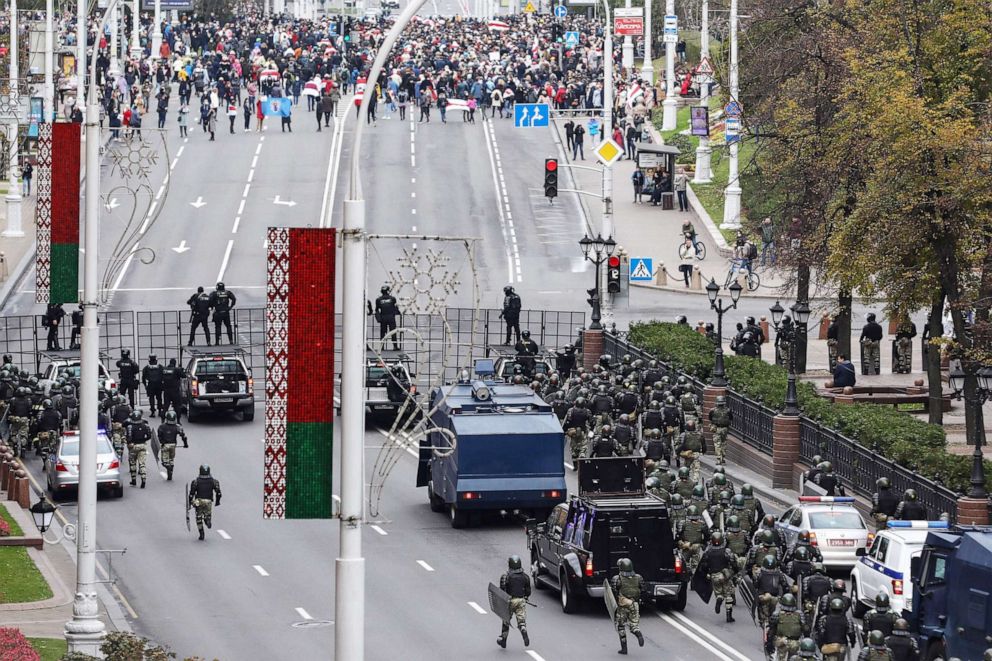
611	245
956	380
586	244
800	312
735	292
777	311
985	379
712	289
42	512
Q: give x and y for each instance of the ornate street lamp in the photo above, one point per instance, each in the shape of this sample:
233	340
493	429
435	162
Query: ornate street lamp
43	512
712	291
983	390
597	251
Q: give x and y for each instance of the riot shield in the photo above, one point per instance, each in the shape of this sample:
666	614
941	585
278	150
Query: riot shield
610	599
748	596
700	584
156	447
499	603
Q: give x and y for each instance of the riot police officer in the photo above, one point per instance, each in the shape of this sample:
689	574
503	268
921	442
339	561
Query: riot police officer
204	493
902	643
719	564
138	435
909	509
815	586
807	650
692	535
516	584
511	312
720	419
77	327
884	502
49	426
738	540
386	311
785	627
625	435
153	379
627	587
672	418
656	450
168	432
19	414
51	320
576	425
876	649
68	406
763	546
838	590
526	349
127	376
565	360
684	484
871	335
770	584
222	301
677	512
799	565
804	541
881	617
120	416
828	481
172	376
199	306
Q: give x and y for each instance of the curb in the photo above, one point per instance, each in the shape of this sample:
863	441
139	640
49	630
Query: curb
60	593
8	287
563	155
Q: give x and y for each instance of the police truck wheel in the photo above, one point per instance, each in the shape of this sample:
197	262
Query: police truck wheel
679	602
192	415
248	414
459	519
857	608
535	571
570	601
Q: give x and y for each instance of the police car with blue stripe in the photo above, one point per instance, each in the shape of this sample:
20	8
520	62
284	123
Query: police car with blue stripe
885	565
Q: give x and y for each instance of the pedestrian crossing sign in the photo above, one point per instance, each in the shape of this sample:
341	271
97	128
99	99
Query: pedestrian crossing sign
641	269
530	8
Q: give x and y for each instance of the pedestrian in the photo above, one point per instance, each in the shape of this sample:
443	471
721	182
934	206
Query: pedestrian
246	109
402	97
593	127
152	378
373	103
286	121
627	587
204	494
425	105
578	137
162	107
27	171
51	320
516	584
632	134
138	434
767	241
637	178
569	134
183	121
335	97
442	105
681	180
324	101
511	312
212	123
259	116
222	301
232	114
168	434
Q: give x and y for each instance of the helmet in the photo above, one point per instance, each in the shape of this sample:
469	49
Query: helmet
625	359
606	430
750	321
768	521
817	459
716	539
720	400
766	537
663	464
384	289
900	625
602	390
818	568
719	480
514	562
788	601
807	645
769	561
839	585
804	536
828	467
692	512
882	601
690	425
684	473
46	403
508	289
801	554
737	501
125	353
669	401
654	405
170	416
910	495
624	419
747	490
733	523
204	470
676	500
152	358
698	492
625	566
119	399
135	415
748	337
836	605
876	638
724	497
525	334
870	317
33	382
220	286
652	483
719	469
23	392
653	364
883	483
67	390
665	380
580	401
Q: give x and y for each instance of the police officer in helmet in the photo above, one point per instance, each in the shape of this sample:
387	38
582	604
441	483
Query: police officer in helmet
222	301
516	584
204	493
199	306
386	311
511	312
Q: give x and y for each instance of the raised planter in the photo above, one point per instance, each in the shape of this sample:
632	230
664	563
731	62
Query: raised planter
886	395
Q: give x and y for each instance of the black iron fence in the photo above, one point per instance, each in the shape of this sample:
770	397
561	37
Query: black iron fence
752	422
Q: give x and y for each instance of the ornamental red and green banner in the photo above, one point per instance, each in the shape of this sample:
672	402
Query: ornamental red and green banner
57	213
299	357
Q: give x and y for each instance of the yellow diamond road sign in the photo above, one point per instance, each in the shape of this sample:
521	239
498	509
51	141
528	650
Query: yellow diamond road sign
530	8
608	152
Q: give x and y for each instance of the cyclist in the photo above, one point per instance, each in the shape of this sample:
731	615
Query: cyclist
689	232
745	252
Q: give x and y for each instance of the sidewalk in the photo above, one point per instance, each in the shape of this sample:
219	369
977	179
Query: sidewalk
16	253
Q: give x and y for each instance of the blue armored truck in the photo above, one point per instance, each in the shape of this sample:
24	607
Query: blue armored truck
492	448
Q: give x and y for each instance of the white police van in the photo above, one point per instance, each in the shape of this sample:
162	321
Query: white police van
884	565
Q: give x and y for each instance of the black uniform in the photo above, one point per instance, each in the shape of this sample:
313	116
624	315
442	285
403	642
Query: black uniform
829	483
903	646
565	362
52	320
127	371
222	301
153	377
386	312
511	315
526	349
77	327
172	376
910	510
199	305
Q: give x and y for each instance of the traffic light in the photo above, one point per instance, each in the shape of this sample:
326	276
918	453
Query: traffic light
613	275
551	177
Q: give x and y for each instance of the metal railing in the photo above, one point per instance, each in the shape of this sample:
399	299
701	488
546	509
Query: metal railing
752	422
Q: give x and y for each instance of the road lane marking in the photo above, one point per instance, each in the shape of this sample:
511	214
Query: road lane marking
254	161
180	152
378	530
426	566
259	569
305	615
703	632
237	223
258	148
477	608
503	222
688	632
241	207
534	655
247	188
413	194
333	166
223	534
414	228
413	211
161	189
251	175
227	257
174	161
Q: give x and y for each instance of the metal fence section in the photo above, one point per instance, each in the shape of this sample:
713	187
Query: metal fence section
25	339
752	422
861	467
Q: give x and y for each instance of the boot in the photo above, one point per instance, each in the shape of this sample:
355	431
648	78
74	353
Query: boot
640	638
209	522
168	470
201	534
142	483
623	646
719	603
501	641
730	615
523	634
134	482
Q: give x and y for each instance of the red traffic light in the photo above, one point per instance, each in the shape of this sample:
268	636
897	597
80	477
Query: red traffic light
614	262
551	164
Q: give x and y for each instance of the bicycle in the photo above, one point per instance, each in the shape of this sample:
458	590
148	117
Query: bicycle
688	244
751	278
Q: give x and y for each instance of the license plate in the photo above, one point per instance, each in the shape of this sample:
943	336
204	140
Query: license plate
842	542
224	400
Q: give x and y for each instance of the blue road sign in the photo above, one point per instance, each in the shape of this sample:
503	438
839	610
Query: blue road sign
732	109
641	269
531	115
571	39
561	11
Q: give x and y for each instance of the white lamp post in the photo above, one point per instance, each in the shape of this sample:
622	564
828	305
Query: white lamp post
13	200
647	68
704	174
670	106
732	195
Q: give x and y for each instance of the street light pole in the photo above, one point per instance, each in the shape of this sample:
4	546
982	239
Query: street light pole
976	388
13	200
670	106
597	251
49	113
81	35
647	67
607	132
349	566
136	51
732	195
719	378
704	174
115	64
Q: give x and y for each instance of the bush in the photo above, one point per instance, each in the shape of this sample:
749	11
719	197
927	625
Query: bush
687	153
912	443
15	647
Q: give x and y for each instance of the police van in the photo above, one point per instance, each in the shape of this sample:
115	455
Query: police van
884	566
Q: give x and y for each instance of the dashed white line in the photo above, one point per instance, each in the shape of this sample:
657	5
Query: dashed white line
413	180
413	211
534	655
259	569
180	152
237	223
158	195
174	161
227	257
241	207
258	148
414	228
477	608
305	615
251	174
699	641
706	634
254	161
378	530
413	194
426	566
247	188
223	534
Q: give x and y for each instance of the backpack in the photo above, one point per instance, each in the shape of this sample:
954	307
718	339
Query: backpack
752	250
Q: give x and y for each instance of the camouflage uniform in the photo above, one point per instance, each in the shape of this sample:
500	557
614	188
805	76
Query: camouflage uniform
690	449
628	615
720	565
202	492
785	627
684	487
19	433
689	405
692	536
516	584
138	435
870	356
720	419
